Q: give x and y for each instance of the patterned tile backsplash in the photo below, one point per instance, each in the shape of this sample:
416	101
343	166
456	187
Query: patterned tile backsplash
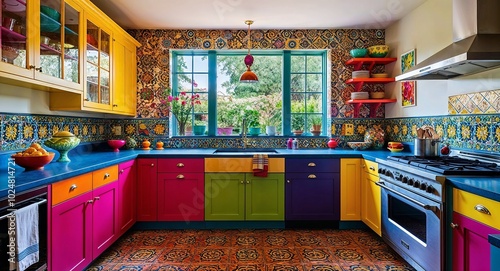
487	102
476	132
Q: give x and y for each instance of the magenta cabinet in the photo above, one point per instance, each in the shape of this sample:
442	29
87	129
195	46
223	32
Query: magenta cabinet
181	197
471	249
104	217
71	247
147	185
126	196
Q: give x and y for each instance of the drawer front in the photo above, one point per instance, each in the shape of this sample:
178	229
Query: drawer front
70	188
104	176
236	165
312	165
370	167
181	165
481	209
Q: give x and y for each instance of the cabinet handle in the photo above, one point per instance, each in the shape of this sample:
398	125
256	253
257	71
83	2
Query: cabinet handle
248	182
115	105
453	225
106	175
72	187
311	164
180	165
97	198
180	176
241	182
480	208
86	99
311	176
152	165
121	171
90	201
39	69
32	67
372	168
287	181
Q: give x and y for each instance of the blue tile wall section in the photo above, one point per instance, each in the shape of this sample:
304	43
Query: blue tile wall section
475	132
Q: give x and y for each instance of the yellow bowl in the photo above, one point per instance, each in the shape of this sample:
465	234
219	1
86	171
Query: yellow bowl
378	50
395	150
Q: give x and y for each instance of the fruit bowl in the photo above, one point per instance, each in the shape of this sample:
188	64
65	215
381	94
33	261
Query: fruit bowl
116	144
33	162
63	142
361	145
378	50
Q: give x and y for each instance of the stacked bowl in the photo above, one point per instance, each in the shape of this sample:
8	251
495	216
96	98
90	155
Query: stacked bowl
360	95
395	146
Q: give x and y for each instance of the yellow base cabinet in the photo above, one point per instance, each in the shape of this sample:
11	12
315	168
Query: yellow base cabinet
350	190
370	197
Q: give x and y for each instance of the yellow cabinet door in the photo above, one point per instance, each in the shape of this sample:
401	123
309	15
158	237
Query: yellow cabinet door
350	190
370	197
124	76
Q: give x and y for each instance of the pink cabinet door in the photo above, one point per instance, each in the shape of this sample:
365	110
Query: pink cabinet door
105	217
471	249
126	196
181	197
71	234
147	197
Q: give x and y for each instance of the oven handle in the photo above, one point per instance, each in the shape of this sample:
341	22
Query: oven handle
425	206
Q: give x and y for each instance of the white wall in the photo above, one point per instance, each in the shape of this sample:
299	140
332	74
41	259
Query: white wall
429	29
22	100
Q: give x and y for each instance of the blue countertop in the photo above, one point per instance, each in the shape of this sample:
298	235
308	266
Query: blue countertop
494	239
87	161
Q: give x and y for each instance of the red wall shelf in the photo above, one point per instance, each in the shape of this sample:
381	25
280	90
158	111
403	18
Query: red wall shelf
374	105
358	82
370	61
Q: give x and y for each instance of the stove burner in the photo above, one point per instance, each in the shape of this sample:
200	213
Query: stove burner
450	165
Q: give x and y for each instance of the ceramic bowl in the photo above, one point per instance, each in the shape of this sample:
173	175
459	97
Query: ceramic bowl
358	52
380	75
34	162
116	144
62	142
50	12
361	74
395	150
361	145
9	53
378	50
377	95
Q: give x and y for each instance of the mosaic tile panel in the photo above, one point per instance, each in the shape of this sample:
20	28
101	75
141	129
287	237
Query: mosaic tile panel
487	102
153	69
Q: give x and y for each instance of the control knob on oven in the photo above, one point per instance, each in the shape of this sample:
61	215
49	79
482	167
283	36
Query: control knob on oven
423	186
404	179
411	181
429	189
416	184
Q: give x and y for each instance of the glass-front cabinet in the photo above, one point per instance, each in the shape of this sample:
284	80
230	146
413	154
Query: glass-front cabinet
41	41
97	92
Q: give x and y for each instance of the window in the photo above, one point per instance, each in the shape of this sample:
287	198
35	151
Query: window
291	92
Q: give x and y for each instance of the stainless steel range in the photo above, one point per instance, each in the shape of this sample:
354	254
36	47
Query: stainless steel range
413	203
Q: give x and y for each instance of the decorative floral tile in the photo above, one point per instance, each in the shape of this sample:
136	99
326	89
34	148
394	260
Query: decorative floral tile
486	102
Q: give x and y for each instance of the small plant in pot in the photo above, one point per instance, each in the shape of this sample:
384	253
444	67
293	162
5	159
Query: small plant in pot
316	125
298	124
199	127
252	118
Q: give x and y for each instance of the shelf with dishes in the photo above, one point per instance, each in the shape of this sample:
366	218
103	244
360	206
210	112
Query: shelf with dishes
370	62
374	105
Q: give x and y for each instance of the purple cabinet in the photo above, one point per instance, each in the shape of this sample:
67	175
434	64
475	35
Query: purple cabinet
312	189
470	244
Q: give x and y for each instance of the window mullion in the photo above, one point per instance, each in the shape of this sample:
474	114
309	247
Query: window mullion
287	96
212	93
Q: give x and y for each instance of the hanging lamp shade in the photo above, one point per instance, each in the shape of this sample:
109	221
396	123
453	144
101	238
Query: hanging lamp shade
249	76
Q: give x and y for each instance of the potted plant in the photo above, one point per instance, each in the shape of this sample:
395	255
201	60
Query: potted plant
298	124
199	127
252	118
316	125
269	111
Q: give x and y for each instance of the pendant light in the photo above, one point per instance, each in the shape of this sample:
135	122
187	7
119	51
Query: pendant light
249	76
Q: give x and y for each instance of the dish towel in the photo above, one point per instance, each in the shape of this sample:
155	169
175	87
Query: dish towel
26	236
260	165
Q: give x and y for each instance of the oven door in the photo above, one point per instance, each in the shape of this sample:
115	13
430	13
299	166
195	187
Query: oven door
412	225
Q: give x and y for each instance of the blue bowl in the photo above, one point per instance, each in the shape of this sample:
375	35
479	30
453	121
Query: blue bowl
359	52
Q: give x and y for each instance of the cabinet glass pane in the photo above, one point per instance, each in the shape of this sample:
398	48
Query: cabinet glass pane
71	51
51	48
104	83
92	83
105	43
13	32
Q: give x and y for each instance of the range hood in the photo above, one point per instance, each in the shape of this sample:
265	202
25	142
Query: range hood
476	47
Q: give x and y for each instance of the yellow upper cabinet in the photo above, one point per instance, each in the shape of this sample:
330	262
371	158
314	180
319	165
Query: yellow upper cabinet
41	44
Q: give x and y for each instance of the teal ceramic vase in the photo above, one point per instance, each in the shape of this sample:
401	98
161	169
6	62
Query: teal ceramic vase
62	142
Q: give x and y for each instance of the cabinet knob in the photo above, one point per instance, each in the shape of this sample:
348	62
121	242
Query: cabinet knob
152	165
97	198
453	225
32	67
248	182
480	208
311	176
39	69
287	181
90	201
121	171
72	187
311	164
86	99
372	168
180	165
241	182
180	176
106	175
115	105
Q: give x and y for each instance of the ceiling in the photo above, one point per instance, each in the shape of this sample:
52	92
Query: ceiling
267	14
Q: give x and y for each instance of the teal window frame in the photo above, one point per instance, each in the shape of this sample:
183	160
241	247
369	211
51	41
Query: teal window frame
286	83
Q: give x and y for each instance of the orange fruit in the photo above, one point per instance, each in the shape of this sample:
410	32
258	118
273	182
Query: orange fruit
36	146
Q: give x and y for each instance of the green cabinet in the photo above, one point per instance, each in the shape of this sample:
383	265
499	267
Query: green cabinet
242	196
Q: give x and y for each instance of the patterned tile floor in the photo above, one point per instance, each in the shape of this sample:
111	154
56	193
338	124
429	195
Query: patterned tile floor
250	250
